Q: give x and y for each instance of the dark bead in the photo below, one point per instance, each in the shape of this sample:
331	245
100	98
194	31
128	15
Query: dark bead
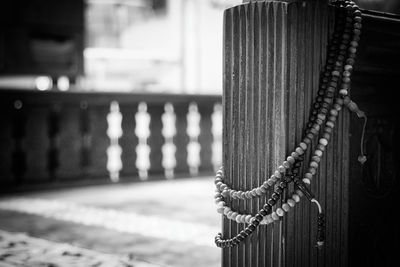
258	217
263	212
248	231
255	223
267	207
275	196
240	238
252	227
282	185
279	190
313	131
325	105
329	94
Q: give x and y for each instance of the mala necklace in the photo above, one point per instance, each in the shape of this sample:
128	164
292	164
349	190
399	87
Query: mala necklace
325	109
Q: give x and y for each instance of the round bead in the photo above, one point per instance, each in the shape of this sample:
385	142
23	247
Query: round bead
269	219
271	202
263	212
334	112
281	169
291	202
314	164
277	174
286	207
247	218
306	181
286	164
270	182
258	191
237	218
274	216
290	159
299	151
295	155
323	141
296	198
330	124
263	190
335	73
313	131
303	145
275	196
308	175
229	214
299	192
321	147
337	107
280	212
234	215
221	204
318	153
307	140
227	210
258	217
220	210
253	192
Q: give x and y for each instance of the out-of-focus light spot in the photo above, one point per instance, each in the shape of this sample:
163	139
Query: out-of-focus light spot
63	83
43	83
18	104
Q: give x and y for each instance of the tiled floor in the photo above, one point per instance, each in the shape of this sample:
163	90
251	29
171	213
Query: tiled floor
169	223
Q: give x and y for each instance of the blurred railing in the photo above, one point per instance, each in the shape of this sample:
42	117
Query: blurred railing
76	136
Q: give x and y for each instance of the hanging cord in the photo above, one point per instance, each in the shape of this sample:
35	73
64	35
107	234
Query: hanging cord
353	107
320	224
321	217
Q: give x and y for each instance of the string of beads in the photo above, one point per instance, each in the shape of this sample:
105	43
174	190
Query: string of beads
325	109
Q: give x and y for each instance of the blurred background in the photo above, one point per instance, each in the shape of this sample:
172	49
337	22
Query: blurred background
111	129
115	45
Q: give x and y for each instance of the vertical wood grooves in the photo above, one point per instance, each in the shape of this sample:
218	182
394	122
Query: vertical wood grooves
263	122
273	55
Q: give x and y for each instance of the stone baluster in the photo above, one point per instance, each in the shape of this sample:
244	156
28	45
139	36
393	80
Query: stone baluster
169	148
142	131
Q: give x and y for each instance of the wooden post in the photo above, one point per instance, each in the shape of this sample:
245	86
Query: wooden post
273	54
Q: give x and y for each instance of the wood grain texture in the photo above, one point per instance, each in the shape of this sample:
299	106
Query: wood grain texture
273	55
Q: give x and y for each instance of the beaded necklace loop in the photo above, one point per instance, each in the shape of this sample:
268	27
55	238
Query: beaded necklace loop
331	97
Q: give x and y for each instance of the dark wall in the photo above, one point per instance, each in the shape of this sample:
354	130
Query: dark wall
41	37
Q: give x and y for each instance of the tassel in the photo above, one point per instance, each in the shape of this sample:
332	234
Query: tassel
320	224
353	107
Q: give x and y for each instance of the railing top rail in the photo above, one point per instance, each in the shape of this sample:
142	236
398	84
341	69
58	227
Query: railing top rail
100	98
